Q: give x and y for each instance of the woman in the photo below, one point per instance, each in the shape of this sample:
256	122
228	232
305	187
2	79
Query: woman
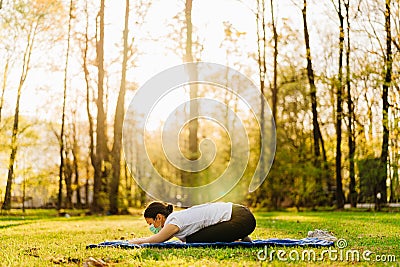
211	222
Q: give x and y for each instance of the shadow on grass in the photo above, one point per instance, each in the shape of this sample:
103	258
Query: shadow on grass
38	214
13	225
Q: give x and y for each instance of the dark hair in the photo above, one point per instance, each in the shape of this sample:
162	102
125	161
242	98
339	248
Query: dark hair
157	208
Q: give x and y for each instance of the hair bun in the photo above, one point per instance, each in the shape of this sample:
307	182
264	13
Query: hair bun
170	208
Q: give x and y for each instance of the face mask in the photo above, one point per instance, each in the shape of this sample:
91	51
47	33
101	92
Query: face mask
154	230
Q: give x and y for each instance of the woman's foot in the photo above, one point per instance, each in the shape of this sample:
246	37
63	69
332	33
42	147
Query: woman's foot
246	239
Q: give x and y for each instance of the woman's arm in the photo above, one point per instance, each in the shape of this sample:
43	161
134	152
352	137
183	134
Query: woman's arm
165	234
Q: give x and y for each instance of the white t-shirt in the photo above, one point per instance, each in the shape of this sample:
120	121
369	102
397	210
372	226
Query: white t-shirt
198	217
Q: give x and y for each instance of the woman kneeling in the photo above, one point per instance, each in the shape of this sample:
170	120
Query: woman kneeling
206	223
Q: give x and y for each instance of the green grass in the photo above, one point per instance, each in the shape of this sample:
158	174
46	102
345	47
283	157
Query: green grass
40	238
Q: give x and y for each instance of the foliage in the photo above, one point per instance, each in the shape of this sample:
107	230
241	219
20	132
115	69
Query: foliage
292	179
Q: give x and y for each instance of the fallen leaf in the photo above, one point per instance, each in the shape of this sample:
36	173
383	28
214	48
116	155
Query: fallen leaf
94	262
59	260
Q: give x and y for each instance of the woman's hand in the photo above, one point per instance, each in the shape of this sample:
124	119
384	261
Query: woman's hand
137	241
166	233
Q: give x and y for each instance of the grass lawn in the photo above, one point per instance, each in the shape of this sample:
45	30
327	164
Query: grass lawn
40	238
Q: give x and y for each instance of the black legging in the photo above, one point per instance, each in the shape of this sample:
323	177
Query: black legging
241	224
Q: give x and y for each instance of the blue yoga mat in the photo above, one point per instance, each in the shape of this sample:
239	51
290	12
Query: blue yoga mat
305	242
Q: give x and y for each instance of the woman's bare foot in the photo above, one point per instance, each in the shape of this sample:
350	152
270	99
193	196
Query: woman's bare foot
246	239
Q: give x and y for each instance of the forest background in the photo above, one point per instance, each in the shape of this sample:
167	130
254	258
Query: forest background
69	69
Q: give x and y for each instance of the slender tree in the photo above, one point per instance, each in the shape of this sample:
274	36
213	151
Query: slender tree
274	91
85	67
261	46
99	164
350	115
118	121
193	124
262	73
68	173
339	111
62	134
31	35
275	63
189	179
385	104
317	136
75	166
4	84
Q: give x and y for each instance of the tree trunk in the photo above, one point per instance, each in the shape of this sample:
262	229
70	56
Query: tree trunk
67	173
275	194
275	78
87	187
128	185
62	148
118	122
189	178
4	85
23	192
14	142
313	94
339	113
75	166
262	69
350	116
76	181
385	106
394	183
193	124
92	154
99	164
